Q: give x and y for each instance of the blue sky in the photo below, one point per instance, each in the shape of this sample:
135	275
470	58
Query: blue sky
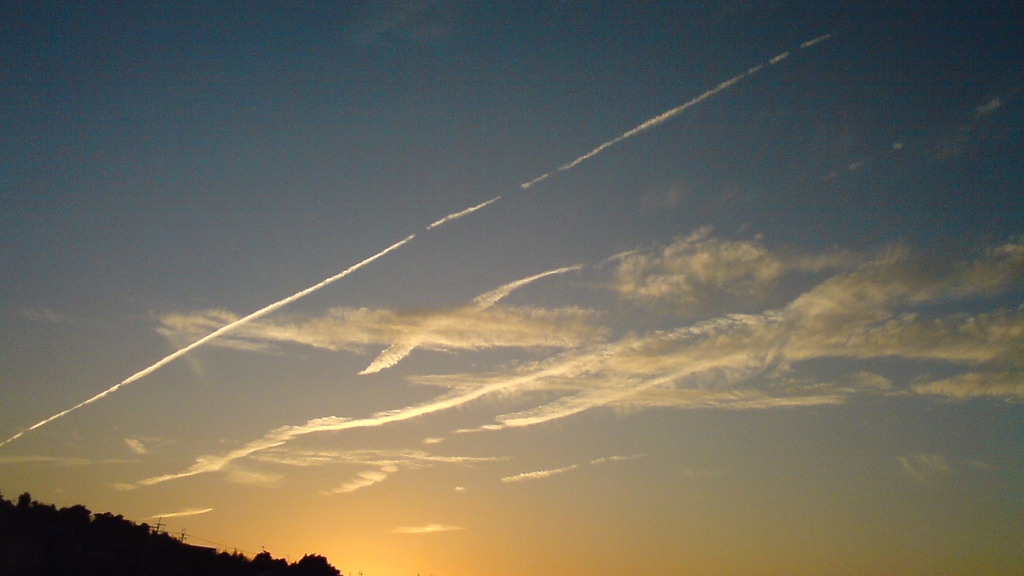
777	330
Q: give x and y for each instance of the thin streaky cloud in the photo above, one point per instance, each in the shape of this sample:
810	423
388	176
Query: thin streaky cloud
350	329
364	480
537	475
732	361
254	478
136	445
428	529
279	436
1008	385
213	335
181	513
607	459
467	211
779	58
491	298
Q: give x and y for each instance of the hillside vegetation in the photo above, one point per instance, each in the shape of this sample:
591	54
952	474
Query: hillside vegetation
39	539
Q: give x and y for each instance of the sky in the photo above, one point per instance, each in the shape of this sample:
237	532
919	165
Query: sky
721	288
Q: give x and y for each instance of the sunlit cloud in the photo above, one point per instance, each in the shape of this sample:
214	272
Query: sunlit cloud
182	513
866	307
701	271
1008	385
539	474
253	478
383	462
473	326
428	529
136	445
427	335
453	329
364	479
608	459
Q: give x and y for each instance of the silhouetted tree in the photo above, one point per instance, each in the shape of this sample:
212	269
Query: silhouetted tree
313	565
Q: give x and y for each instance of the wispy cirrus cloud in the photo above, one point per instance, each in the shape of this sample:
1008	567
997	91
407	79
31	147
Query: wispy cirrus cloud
136	445
474	326
352	329
701	271
183	513
607	459
427	529
866	307
429	329
253	478
1008	385
538	474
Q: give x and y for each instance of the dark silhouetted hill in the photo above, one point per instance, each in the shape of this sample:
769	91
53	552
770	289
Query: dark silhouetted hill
40	540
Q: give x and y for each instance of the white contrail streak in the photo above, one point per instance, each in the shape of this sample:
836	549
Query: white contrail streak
457	215
665	116
212	335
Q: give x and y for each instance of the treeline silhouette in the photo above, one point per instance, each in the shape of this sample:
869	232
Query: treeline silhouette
38	539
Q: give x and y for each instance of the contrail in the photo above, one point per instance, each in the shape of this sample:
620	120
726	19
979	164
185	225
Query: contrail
661	118
457	215
216	333
665	116
814	41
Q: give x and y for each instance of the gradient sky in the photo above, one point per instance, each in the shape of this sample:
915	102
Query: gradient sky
777	330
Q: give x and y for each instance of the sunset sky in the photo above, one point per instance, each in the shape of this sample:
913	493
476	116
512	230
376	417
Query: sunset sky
727	287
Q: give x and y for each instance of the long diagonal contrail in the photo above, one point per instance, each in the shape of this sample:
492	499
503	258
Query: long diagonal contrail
215	334
646	125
